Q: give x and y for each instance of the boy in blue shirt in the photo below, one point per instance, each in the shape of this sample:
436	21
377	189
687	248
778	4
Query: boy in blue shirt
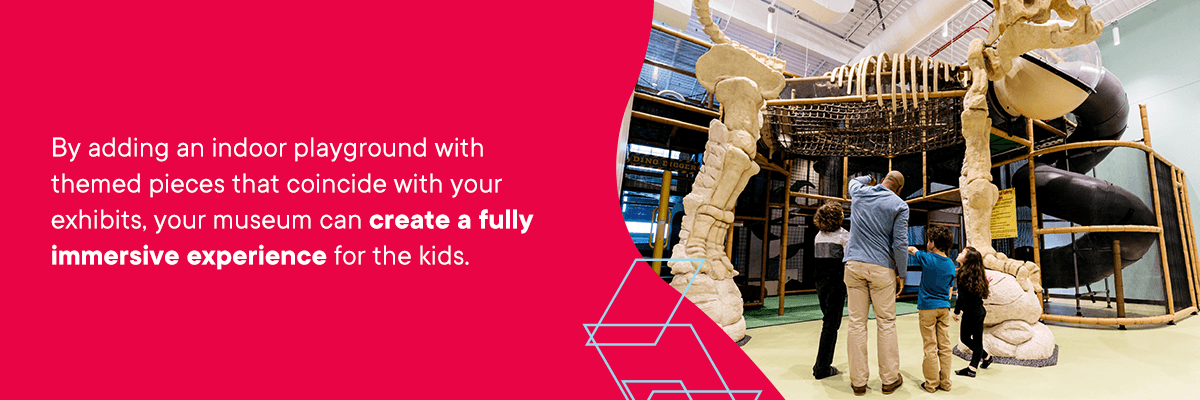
933	303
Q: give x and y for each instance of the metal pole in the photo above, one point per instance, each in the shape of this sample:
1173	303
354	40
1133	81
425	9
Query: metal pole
664	210
1075	255
1107	295
1035	222
766	239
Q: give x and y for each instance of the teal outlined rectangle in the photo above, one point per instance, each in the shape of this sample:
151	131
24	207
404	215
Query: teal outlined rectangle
623	385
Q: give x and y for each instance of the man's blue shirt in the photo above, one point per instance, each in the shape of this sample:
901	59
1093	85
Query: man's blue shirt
878	226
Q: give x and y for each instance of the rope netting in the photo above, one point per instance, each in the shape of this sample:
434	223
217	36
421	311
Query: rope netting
867	128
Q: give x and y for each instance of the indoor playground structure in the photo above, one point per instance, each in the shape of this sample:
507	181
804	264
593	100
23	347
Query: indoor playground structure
1101	231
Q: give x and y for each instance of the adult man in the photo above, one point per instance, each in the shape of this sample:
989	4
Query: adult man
876	264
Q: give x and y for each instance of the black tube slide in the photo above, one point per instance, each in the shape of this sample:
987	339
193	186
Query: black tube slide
1064	192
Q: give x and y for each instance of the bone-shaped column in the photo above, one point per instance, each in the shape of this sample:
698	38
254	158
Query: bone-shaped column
975	184
741	81
1011	328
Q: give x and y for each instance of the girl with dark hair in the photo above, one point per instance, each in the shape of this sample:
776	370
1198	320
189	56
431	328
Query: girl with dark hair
972	289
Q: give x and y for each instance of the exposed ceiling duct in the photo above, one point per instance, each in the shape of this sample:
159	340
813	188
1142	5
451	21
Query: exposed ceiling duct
925	17
753	14
827	11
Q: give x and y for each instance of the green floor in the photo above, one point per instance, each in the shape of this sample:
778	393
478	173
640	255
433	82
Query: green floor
800	308
1095	362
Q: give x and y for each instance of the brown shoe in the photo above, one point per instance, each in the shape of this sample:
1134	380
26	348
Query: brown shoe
859	390
889	389
944	388
927	388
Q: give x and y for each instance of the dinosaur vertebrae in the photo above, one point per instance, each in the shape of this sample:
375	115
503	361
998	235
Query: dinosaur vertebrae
718	37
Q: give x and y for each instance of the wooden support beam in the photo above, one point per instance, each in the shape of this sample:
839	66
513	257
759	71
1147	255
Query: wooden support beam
1006	136
1162	244
1191	230
763	162
680	71
1145	126
674	103
661	219
817	197
1044	125
924	172
845	176
787	198
935	196
668	121
1099	228
1094	143
1187	256
1119	321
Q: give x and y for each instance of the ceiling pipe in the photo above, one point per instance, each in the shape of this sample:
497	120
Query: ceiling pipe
960	34
828	11
909	29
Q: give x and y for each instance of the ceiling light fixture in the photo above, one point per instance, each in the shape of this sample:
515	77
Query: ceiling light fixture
1116	34
771	18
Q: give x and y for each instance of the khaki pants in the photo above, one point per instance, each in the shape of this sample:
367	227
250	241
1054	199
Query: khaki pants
935	334
875	285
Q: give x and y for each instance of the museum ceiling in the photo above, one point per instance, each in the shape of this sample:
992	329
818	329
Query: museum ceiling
812	47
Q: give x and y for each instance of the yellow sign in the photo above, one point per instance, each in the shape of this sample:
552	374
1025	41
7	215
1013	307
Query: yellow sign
643	160
1004	215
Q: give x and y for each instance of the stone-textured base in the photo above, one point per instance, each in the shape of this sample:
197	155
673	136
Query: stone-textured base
1011	328
965	354
745	339
719	299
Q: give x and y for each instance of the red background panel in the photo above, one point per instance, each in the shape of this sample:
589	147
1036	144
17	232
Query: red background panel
541	85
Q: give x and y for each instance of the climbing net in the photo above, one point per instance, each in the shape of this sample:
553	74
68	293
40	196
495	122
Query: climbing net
867	128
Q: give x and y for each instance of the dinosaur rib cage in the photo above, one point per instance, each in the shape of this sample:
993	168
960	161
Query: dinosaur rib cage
866	128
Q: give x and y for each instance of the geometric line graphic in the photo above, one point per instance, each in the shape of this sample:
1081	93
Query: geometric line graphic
623	384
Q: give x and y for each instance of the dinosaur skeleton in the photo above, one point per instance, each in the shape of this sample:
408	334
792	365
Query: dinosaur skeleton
742	79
